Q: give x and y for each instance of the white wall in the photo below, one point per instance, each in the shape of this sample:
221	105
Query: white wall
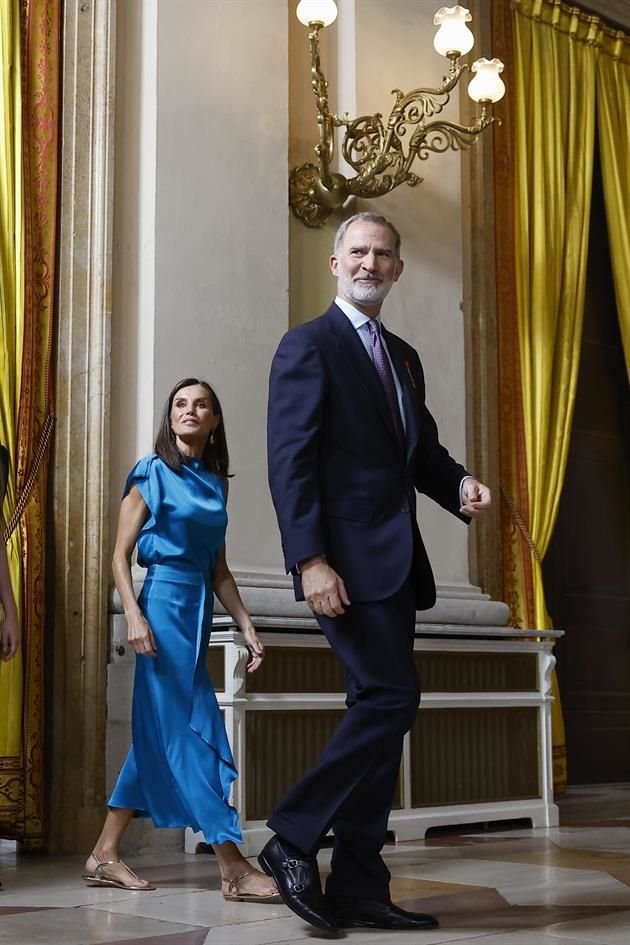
202	237
216	228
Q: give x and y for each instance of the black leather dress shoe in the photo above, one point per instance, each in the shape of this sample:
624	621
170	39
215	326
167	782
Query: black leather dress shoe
358	913
297	878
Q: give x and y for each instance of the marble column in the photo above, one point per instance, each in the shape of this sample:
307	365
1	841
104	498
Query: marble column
80	494
479	310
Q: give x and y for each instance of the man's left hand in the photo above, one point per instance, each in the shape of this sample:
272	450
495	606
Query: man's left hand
476	498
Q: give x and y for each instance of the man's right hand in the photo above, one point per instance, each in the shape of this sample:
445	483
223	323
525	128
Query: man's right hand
324	591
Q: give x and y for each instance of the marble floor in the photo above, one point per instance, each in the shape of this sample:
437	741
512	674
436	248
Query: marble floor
564	886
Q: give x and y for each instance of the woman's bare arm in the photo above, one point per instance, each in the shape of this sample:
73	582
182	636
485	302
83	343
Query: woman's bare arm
227	592
133	514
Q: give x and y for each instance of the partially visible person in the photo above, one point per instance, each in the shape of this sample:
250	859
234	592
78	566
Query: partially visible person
10	631
180	767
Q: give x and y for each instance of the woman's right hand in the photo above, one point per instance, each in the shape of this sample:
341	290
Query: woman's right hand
140	635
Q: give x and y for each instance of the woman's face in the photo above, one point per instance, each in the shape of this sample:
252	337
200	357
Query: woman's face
192	417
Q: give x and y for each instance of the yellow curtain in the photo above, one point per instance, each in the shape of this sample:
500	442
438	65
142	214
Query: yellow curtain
613	101
29	112
555	63
555	135
11	338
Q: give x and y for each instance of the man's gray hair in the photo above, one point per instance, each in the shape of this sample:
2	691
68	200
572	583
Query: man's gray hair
366	217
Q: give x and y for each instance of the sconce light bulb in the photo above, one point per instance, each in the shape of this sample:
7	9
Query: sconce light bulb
453	37
321	12
487	84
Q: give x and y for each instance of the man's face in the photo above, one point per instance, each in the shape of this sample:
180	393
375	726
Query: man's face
367	265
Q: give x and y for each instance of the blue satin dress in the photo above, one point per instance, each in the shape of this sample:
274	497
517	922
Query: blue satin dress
180	766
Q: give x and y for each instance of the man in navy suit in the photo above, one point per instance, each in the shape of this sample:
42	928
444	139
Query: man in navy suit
350	440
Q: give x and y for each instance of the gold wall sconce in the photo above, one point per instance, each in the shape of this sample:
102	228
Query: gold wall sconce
382	153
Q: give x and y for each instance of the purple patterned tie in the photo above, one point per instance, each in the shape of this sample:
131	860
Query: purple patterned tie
384	371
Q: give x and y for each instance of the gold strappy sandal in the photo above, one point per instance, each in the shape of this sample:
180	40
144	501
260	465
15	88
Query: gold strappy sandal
102	876
234	895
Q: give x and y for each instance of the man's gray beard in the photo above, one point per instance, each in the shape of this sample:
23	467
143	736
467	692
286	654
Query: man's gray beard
364	294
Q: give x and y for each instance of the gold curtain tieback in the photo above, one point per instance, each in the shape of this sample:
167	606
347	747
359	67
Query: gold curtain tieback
518	518
40	452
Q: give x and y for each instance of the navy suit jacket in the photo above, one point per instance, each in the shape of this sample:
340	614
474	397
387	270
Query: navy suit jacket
342	483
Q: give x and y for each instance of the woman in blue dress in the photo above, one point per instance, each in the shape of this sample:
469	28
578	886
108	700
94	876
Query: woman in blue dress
180	767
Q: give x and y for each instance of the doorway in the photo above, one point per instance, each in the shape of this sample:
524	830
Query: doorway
587	566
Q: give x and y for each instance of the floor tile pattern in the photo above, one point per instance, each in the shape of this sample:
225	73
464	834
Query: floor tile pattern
497	886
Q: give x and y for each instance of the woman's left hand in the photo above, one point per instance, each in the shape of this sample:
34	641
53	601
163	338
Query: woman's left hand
256	649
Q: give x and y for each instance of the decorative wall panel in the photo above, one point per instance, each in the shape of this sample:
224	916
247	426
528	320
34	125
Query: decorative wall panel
469	756
281	746
299	670
477	672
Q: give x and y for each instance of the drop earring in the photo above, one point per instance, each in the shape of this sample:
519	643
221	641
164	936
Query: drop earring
212	438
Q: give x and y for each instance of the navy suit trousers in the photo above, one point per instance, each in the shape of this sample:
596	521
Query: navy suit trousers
351	788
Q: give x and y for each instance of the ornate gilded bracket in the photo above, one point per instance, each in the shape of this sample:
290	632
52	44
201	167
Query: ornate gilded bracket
381	153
